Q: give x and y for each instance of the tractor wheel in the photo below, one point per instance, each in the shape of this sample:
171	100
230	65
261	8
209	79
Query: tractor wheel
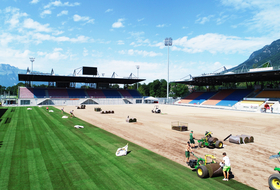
274	181
152	111
201	145
219	144
202	171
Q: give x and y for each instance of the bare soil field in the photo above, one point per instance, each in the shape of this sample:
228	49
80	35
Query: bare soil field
250	163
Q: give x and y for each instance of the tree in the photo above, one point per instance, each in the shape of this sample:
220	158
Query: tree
178	90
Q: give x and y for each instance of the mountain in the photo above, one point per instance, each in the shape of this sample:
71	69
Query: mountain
9	75
258	58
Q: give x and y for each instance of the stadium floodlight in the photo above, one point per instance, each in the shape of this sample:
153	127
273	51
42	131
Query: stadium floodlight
32	59
168	42
137	66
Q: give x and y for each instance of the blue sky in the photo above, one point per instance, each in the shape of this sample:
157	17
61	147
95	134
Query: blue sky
115	36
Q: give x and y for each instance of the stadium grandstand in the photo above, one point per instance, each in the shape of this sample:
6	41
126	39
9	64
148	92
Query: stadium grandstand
256	97
62	89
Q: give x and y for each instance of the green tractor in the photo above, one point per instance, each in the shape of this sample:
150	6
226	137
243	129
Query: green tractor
206	169
274	179
209	141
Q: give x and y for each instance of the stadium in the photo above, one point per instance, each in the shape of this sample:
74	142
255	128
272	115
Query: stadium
42	150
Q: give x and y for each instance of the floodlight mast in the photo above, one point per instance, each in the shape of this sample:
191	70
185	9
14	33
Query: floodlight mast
168	42
32	59
137	66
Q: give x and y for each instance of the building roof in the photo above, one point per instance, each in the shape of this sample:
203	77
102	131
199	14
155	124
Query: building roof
218	79
77	79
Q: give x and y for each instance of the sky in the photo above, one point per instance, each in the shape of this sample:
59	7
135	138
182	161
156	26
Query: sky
116	36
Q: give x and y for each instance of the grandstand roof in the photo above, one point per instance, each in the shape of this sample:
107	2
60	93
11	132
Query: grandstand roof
78	79
218	79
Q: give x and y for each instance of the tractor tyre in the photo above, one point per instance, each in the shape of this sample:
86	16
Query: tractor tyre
152	111
274	181
202	171
201	145
219	144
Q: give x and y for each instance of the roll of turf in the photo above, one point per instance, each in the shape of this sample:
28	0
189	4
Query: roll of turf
251	138
234	139
246	138
214	170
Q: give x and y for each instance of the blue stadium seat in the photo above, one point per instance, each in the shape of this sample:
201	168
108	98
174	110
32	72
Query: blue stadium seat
134	93
76	93
111	93
39	93
235	97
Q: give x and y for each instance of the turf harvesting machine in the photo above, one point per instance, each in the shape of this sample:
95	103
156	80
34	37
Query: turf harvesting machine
274	179
209	141
206	169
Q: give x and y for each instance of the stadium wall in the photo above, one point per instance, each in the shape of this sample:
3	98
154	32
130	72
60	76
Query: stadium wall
78	101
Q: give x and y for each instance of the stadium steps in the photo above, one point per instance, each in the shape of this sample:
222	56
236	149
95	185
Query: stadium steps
218	97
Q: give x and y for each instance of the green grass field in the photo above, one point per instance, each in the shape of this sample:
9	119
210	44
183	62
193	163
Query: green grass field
40	150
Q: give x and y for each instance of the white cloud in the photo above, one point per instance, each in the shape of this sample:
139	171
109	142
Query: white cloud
159	44
203	20
60	4
250	4
140	52
85	52
34	1
118	24
78	18
62	13
120	42
139	20
31	24
108	10
96	53
161	25
45	12
13	16
265	15
219	43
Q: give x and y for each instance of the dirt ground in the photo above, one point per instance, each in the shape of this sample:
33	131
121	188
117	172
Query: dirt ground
250	163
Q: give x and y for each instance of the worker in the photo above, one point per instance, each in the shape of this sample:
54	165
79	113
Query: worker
72	113
226	167
192	140
187	152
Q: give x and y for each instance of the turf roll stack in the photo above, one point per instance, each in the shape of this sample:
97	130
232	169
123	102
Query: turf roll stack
251	138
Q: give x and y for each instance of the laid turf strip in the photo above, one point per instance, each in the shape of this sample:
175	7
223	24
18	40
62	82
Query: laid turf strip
41	150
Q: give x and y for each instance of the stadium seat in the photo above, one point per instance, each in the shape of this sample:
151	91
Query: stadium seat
191	97
58	93
26	92
95	93
203	97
